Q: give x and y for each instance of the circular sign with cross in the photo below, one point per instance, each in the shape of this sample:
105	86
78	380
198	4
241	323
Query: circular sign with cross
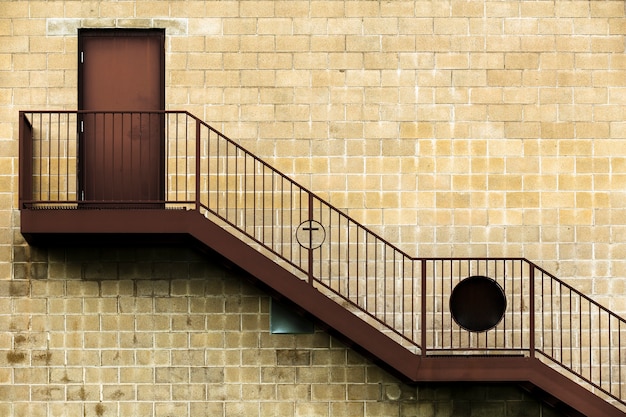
310	234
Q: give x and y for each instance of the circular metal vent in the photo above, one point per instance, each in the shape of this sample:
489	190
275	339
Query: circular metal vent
477	303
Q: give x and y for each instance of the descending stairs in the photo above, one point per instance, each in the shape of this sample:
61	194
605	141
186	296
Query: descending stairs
552	340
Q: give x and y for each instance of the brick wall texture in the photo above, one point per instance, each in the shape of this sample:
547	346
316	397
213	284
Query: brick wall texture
452	128
167	332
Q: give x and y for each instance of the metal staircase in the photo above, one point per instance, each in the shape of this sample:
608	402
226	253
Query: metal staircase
550	338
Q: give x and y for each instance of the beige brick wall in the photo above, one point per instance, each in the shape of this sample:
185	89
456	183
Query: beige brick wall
169	332
453	128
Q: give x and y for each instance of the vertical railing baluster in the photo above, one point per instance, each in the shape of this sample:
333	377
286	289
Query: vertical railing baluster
198	163
40	156
49	172
423	293
245	196
263	204
393	295
580	336
272	238
610	356
619	355
384	282
302	215
141	150
434	300
226	180
218	174
166	156
146	145
551	318
560	321
281	223
571	333
531	307
521	303
310	249
321	216
402	306
346	264
600	345
412	263
254	197
366	270
376	276
543	313
58	157
357	249
131	148
67	156
175	156
291	225
590	343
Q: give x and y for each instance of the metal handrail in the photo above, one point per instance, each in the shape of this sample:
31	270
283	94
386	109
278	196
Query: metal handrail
404	296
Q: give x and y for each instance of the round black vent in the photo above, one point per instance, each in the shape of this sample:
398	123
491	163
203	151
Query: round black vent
477	303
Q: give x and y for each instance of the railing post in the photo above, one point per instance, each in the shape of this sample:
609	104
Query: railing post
25	160
198	147
310	249
423	307
531	306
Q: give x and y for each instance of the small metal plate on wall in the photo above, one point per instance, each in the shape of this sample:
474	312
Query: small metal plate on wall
477	303
284	320
310	234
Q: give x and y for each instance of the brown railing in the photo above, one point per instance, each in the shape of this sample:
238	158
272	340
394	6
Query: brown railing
405	297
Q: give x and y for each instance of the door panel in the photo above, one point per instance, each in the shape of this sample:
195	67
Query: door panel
122	154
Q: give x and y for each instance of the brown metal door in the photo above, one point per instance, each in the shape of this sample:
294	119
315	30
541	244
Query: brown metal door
121	96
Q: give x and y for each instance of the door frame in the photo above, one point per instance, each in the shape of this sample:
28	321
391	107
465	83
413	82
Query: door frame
115	32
